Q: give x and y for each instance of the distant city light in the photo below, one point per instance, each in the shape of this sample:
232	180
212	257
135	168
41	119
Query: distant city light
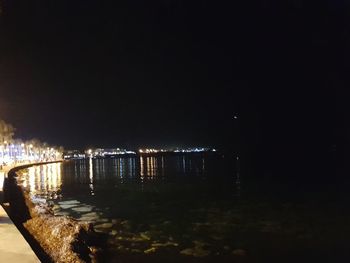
176	150
113	152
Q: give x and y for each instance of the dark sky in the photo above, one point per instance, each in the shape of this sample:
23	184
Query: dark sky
173	72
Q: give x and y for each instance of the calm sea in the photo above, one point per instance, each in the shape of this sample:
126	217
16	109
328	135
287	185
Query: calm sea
187	208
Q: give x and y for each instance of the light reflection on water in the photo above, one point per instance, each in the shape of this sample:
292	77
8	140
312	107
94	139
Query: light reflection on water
83	179
128	196
179	205
43	181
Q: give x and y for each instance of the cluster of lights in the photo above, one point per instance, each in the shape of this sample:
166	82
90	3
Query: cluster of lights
106	152
150	150
26	152
14	151
188	150
96	153
101	153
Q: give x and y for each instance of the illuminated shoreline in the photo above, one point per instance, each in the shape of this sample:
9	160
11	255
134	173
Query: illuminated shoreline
139	154
53	237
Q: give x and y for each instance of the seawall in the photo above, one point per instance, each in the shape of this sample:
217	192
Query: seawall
14	246
54	239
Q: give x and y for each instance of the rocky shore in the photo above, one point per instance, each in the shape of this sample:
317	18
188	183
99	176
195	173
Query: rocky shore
53	238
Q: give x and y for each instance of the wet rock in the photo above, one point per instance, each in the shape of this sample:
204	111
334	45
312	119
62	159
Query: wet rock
103	226
92	216
95	250
150	250
199	249
166	244
69	202
137	239
195	252
146	235
64	239
82	209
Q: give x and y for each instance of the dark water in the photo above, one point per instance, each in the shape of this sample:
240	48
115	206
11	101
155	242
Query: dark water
192	208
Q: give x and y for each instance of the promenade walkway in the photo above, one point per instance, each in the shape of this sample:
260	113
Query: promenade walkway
13	247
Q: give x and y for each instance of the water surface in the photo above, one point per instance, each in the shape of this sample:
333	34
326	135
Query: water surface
189	208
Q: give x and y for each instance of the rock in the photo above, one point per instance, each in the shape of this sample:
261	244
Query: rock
145	235
150	250
137	239
92	216
195	252
82	208
166	244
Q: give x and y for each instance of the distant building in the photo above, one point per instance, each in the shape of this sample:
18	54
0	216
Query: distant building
100	152
73	154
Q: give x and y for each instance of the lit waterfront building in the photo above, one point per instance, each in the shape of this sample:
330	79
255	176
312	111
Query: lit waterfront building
176	150
96	153
99	152
19	152
13	151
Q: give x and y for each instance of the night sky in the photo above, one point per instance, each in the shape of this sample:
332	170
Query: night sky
175	73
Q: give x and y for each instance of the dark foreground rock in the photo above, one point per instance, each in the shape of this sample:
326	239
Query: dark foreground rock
60	238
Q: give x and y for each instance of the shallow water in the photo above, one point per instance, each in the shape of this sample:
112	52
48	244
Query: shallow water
189	208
